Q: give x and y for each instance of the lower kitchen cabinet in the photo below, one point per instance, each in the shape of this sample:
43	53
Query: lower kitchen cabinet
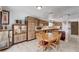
19	33
4	39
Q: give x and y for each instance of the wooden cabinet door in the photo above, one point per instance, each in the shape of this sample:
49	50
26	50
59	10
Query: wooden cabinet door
4	40
16	38
31	29
32	23
43	23
23	37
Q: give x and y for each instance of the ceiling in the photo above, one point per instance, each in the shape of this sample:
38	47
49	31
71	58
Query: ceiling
58	11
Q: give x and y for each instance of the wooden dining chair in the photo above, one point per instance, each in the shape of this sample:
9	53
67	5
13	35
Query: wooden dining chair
39	38
52	40
57	36
43	40
46	39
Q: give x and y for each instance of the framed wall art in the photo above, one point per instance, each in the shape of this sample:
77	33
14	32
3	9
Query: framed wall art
0	18
5	17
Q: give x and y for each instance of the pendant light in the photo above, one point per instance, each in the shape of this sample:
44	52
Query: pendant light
50	19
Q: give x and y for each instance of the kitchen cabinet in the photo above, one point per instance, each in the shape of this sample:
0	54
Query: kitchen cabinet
4	39
32	22
10	37
19	33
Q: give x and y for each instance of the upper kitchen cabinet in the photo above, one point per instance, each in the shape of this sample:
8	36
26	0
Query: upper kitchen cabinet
43	23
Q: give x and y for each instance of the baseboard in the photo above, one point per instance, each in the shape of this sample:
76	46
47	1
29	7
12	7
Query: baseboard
31	39
1	50
15	44
20	42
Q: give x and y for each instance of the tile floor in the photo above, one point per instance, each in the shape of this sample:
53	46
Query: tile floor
32	46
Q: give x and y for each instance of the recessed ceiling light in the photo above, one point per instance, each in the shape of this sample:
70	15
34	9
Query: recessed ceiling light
39	7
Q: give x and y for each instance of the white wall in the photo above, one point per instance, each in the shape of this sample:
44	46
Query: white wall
20	12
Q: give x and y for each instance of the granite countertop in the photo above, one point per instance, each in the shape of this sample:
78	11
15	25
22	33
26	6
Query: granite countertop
47	28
